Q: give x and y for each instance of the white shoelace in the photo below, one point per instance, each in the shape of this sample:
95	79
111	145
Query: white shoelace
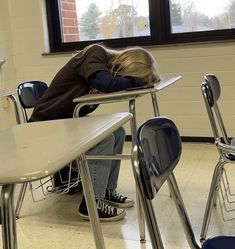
116	195
105	208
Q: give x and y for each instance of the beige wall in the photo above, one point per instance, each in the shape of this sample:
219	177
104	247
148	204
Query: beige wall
23	39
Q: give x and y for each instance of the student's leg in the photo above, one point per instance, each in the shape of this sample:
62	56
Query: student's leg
112	197
119	139
100	171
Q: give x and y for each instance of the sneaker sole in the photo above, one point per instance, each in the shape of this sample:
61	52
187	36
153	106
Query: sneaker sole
115	218
119	205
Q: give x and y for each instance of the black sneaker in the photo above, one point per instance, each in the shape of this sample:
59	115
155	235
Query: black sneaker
105	212
115	199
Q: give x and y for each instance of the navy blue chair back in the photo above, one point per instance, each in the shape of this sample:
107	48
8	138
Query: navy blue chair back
29	93
159	150
155	156
212	89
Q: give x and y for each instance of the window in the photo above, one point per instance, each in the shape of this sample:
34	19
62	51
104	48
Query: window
74	24
194	16
200	20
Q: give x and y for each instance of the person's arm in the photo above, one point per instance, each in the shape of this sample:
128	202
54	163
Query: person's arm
104	82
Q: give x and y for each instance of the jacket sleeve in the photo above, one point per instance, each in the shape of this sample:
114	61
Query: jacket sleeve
105	82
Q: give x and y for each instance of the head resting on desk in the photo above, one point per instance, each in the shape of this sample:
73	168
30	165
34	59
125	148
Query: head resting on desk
136	62
133	61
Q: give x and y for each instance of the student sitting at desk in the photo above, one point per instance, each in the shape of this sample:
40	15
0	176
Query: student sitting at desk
98	68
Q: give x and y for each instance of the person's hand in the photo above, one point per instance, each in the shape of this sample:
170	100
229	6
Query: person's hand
94	91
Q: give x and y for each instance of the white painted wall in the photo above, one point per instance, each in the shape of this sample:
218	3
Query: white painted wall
23	39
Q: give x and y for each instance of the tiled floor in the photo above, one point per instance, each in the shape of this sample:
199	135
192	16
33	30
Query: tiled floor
54	223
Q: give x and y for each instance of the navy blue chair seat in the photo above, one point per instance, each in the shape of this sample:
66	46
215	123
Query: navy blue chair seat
220	242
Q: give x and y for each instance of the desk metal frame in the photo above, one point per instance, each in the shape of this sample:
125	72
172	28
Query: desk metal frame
122	96
28	172
12	96
9	234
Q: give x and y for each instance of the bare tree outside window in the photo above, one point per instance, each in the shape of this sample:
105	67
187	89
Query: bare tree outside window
111	19
201	15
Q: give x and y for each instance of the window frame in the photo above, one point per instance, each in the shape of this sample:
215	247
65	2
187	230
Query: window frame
160	31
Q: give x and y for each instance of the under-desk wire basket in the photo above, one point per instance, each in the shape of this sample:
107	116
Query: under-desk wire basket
226	198
65	181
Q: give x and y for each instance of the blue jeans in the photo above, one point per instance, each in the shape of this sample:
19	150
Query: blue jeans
104	173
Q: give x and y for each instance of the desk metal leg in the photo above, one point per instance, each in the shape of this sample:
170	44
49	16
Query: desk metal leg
9	237
151	221
155	105
23	188
20	199
90	201
140	211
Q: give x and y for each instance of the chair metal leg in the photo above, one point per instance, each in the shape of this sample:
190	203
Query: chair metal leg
179	203
20	199
9	236
140	212
217	189
141	217
156	111
154	104
151	221
218	171
147	208
90	201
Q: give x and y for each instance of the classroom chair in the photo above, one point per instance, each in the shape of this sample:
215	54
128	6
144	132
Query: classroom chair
154	158
61	182
29	93
211	92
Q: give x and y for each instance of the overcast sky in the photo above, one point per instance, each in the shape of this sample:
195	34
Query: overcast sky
208	7
142	5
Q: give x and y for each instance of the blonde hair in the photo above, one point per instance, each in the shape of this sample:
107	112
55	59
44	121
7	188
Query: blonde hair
135	62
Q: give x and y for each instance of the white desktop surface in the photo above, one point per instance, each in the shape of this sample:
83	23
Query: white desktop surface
126	95
35	150
6	94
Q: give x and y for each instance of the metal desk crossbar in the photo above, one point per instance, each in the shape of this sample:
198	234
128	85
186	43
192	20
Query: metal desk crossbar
121	96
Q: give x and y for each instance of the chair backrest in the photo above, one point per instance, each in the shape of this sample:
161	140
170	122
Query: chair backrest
29	93
155	156
211	93
159	150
